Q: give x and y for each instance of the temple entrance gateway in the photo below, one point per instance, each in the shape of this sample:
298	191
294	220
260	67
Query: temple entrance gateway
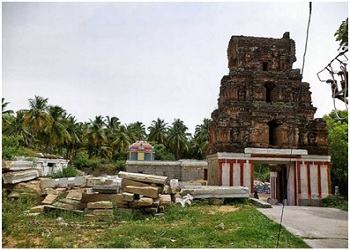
296	178
265	114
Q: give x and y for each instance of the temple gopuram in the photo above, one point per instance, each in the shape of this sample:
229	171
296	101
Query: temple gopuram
265	116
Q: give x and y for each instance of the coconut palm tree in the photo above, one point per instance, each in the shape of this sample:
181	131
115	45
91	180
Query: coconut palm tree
122	139
6	114
76	132
4	105
200	140
177	138
112	130
36	118
157	131
57	135
15	127
137	131
95	135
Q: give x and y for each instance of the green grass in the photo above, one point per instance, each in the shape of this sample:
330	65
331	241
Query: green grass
189	227
196	227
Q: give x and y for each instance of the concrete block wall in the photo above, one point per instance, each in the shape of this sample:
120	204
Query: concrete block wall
184	170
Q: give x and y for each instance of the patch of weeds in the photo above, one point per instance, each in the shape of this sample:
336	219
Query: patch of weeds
27	243
332	201
54	243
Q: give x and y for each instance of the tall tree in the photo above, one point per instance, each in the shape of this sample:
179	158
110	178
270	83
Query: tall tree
157	131
15	127
338	144
177	138
95	135
4	105
76	132
37	118
122	140
57	135
137	131
200	140
112	130
341	35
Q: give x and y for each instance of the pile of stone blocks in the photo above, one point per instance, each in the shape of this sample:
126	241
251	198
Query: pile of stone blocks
147	193
18	171
99	196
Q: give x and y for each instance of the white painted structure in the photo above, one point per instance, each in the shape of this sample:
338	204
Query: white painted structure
28	168
184	170
299	178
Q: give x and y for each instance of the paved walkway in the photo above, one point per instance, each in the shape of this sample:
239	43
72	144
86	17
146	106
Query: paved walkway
320	227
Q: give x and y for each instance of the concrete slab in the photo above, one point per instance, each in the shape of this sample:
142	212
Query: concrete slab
62	182
100	205
201	192
260	203
320	227
20	176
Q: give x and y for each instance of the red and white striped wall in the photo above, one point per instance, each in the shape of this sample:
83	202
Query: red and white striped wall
308	175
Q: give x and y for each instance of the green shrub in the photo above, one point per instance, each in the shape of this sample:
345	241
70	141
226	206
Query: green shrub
120	165
69	171
11	148
332	201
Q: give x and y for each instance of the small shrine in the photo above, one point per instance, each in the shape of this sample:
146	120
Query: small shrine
141	151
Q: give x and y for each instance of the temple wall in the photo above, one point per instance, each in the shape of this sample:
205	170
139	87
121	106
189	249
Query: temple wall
308	175
183	170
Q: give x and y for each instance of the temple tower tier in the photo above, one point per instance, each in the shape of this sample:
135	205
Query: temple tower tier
264	104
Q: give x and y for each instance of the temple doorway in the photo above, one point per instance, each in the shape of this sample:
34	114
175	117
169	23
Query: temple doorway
271	183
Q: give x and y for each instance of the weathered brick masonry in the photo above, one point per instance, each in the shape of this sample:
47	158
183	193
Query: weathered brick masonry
263	104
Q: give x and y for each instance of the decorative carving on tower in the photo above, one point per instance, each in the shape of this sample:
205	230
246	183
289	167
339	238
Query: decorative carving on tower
263	103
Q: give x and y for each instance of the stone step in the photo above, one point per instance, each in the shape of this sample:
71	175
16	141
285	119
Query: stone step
260	203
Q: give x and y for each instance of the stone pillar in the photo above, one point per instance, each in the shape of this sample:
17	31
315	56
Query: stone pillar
273	188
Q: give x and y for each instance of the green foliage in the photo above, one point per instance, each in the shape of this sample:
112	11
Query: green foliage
341	34
49	129
120	165
262	172
82	161
338	144
13	209
11	148
162	153
69	171
332	201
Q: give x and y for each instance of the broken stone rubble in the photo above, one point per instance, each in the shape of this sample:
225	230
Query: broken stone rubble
128	193
27	168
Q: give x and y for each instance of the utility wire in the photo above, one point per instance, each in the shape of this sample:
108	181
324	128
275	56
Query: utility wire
292	141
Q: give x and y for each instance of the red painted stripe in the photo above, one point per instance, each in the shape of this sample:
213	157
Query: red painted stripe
275	156
220	174
299	177
251	177
242	173
329	178
295	184
319	181
308	181
240	161
231	174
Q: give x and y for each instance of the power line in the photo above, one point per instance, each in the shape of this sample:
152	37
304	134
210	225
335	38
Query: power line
292	141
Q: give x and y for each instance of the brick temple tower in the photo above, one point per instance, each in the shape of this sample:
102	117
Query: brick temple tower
265	115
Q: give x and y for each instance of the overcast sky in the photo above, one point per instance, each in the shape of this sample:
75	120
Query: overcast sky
141	61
